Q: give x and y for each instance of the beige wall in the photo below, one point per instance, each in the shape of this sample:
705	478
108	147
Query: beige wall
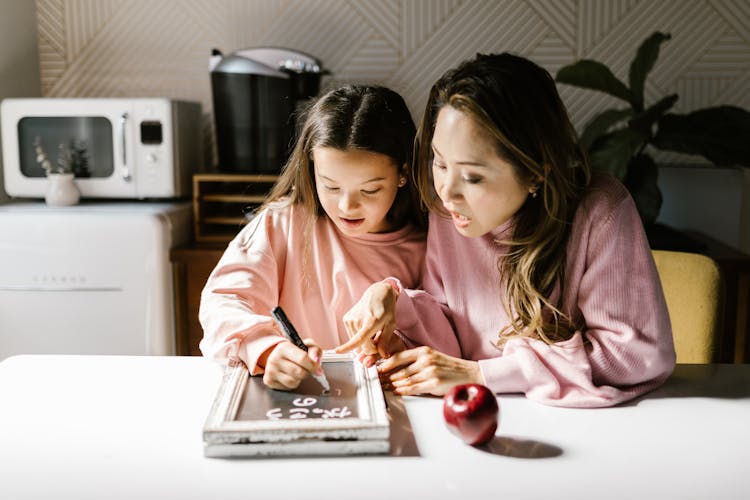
19	61
161	47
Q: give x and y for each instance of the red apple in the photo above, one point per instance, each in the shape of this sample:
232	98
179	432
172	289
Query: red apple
470	412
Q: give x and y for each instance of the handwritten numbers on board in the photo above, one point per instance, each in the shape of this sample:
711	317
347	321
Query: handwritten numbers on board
304	402
274	414
333	412
336	413
300	410
295	413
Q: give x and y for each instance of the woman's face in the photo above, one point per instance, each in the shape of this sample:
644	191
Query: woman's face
356	188
479	188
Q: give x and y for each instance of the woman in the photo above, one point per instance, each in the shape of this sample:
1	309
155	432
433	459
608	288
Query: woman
539	278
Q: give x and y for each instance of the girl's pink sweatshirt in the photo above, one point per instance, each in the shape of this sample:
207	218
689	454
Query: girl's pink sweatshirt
266	265
612	287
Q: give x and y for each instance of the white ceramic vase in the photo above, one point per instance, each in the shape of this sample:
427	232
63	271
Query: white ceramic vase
62	191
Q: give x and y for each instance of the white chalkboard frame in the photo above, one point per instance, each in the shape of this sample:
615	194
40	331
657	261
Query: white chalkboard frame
367	433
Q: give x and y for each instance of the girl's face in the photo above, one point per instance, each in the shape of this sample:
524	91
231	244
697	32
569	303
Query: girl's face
477	186
356	188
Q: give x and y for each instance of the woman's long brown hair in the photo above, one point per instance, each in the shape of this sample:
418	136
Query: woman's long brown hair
517	102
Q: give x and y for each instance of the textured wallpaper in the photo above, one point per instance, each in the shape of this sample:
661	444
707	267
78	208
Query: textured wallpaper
161	47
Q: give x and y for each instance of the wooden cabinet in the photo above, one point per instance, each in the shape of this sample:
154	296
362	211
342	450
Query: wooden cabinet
220	204
192	265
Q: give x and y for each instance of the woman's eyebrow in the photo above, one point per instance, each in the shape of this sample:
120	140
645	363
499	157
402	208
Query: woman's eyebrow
465	162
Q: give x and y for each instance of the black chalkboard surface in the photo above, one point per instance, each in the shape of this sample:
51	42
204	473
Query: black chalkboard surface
306	401
249	419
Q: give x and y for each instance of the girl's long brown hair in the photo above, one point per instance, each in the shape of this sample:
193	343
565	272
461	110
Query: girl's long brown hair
353	117
517	102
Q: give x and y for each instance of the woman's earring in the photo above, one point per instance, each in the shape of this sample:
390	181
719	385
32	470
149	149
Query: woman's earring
534	194
402	182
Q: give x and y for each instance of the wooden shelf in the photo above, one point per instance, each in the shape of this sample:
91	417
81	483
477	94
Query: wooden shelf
221	203
233	198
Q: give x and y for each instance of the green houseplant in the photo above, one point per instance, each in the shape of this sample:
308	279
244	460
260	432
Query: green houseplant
616	139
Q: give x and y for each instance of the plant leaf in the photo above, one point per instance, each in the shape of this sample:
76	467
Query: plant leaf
641	181
602	122
644	61
719	134
593	75
644	122
612	152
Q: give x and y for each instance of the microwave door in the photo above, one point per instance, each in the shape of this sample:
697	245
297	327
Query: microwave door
81	144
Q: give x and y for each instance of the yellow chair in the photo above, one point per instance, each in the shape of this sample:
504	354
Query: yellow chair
692	287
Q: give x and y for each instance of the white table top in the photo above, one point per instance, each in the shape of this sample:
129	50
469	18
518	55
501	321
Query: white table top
117	427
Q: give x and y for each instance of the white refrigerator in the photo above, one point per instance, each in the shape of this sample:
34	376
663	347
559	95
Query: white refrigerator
93	278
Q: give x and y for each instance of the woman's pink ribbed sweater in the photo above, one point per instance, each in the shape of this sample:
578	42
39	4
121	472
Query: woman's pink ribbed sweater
612	287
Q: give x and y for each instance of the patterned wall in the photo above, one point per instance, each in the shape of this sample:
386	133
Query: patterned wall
161	47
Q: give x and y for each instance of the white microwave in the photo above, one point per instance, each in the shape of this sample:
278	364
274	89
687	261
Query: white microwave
117	147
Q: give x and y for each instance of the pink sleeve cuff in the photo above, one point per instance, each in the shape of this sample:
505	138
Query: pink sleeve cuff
504	374
395	283
251	351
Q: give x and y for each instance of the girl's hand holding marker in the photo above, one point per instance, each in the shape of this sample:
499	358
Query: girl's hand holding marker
303	358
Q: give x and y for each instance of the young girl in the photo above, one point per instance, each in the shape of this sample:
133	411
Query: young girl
539	278
343	213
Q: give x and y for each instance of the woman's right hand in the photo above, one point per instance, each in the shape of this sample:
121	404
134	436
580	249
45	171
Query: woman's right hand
287	365
371	321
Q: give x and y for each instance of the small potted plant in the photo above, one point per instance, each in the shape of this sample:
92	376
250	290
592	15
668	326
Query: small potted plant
617	139
62	189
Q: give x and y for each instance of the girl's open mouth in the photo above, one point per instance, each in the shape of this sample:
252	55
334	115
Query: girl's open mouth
351	223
